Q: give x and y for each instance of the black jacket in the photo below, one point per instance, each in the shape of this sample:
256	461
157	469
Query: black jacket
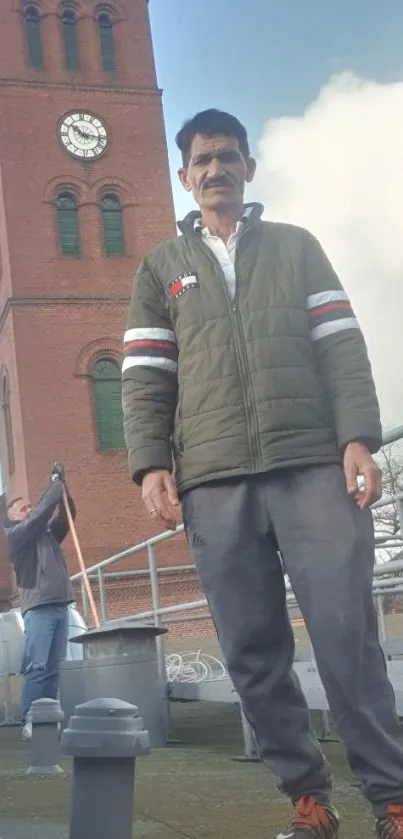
34	544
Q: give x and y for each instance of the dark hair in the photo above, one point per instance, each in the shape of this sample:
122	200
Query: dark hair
208	124
14	501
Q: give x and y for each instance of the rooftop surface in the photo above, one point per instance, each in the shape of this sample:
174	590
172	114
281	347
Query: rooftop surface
195	790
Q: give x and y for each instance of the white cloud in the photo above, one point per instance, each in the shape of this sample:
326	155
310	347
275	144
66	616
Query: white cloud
338	170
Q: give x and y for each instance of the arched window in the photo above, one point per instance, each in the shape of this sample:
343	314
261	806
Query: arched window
67	224
34	40
69	24
107	389
105	29
112	224
8	428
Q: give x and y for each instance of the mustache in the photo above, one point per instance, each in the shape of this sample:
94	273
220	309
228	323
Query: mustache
208	183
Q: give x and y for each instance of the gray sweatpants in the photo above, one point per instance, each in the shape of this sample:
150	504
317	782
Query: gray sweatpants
235	529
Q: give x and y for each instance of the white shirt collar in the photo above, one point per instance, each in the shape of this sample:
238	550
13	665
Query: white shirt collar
244	217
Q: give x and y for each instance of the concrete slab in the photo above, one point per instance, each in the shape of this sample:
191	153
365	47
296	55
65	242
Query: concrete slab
19	830
195	791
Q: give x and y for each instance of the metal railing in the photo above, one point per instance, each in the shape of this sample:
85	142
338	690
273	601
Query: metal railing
386	582
97	571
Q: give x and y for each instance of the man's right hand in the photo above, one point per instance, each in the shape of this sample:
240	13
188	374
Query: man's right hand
160	497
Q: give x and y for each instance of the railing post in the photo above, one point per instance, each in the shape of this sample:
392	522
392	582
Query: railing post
102	596
399	509
251	749
155	602
381	616
84	600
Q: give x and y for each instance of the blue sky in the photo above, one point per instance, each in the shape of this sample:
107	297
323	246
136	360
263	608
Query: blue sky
336	164
266	58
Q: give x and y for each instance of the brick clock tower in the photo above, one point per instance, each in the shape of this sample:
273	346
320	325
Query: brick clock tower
84	192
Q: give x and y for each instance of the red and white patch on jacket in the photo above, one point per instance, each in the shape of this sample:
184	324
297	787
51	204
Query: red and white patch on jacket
183	283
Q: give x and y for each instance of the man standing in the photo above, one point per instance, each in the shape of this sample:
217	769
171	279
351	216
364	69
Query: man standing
34	537
243	356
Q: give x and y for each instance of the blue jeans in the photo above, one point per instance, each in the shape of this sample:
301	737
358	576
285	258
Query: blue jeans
46	635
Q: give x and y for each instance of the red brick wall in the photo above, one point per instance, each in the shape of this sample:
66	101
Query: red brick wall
16	484
35	165
134	58
57	314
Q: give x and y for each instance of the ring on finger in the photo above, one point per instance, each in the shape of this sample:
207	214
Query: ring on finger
152	511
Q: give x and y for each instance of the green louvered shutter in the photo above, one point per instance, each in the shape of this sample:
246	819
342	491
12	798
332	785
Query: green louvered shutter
108	404
112	223
34	41
67	222
69	23
106	42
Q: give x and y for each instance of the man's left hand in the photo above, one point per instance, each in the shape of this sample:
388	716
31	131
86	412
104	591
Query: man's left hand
358	462
57	473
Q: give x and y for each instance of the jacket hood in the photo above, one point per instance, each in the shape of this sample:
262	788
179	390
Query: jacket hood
187	224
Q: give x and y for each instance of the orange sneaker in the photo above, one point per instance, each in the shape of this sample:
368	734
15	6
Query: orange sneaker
311	819
391	825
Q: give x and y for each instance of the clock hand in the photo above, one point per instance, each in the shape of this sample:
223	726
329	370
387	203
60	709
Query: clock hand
86	135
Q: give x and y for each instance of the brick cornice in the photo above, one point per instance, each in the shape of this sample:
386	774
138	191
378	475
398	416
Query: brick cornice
60	300
86	88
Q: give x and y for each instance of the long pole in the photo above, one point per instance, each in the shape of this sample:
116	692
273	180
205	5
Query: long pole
80	559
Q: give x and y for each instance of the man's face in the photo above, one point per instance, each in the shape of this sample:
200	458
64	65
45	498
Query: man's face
216	172
19	511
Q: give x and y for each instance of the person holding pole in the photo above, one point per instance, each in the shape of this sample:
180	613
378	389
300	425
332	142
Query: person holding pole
248	396
34	536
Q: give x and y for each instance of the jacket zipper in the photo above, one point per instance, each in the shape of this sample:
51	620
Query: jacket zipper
255	438
180	432
246	380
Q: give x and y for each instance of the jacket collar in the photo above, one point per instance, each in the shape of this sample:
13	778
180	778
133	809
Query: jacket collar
251	218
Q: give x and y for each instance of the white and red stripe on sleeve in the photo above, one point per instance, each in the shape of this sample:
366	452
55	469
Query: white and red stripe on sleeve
150	347
330	312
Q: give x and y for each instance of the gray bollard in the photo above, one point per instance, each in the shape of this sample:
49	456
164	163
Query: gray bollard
104	737
46	716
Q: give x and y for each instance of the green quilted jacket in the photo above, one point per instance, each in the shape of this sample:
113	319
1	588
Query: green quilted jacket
216	388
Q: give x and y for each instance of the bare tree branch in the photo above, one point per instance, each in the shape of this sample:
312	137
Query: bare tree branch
386	519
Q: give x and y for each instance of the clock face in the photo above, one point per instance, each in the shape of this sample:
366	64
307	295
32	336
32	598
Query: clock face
83	135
